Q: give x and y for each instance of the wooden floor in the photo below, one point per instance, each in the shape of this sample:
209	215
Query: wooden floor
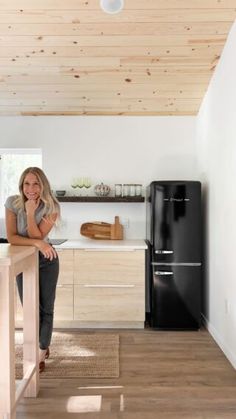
162	375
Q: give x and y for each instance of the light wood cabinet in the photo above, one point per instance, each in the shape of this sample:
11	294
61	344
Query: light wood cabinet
64	303
66	262
109	267
109	287
109	304
99	288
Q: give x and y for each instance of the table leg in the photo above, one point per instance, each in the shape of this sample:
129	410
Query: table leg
7	344
30	322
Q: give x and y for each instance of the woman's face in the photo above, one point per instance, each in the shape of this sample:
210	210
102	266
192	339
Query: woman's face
31	187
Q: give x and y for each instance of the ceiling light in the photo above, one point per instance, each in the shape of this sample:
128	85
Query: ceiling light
112	6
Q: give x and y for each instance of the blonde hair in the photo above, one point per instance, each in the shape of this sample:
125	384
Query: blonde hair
51	204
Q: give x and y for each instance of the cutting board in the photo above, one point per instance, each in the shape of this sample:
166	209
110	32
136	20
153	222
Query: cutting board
103	231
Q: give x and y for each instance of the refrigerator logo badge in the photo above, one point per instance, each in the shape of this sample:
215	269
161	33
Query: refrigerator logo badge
177	199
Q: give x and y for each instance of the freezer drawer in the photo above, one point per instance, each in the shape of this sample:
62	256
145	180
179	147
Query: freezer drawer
175	297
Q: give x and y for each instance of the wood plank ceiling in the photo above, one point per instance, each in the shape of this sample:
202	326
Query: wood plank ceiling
68	57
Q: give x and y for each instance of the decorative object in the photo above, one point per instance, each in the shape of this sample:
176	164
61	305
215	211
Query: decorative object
103	231
87	183
73	355
60	193
77	183
112	6
81	182
102	190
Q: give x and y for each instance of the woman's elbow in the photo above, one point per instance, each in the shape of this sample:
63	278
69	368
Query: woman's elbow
11	238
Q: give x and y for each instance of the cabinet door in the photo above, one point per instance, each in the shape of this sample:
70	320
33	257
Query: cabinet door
107	304
66	271
109	267
65	294
63	309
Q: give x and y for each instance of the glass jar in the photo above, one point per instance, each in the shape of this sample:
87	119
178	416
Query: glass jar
118	189
138	189
132	189
125	189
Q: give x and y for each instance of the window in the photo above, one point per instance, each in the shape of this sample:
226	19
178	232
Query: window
12	163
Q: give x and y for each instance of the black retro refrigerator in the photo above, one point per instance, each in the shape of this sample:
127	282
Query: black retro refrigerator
174	242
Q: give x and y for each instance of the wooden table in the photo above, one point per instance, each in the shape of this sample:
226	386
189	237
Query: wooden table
14	260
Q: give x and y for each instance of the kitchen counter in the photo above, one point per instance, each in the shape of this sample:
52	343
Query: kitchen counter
119	245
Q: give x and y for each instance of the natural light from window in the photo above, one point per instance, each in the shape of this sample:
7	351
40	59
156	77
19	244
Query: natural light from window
12	163
79	404
96	403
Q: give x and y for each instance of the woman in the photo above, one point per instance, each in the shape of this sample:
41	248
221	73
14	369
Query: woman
30	216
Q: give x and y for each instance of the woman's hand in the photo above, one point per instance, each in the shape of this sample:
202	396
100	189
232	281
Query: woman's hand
46	249
31	205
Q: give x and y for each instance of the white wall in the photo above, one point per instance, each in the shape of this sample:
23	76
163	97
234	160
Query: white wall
216	139
107	149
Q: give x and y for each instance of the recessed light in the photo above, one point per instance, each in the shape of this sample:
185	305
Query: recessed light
112	6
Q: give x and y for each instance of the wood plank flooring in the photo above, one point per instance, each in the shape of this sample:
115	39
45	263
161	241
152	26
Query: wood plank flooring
163	375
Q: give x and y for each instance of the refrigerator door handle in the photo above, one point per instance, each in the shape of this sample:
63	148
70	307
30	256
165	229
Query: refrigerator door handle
164	252
163	273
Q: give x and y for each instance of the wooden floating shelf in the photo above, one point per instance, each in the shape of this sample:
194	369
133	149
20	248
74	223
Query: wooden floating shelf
100	199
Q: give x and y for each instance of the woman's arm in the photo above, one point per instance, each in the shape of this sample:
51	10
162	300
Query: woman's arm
38	231
14	238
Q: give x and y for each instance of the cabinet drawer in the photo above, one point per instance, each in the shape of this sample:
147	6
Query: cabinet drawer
64	303
94	303
99	267
66	271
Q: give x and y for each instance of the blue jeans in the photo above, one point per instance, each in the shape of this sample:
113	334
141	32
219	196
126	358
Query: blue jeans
48	276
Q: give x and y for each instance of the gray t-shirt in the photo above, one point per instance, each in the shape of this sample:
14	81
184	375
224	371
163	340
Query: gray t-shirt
21	219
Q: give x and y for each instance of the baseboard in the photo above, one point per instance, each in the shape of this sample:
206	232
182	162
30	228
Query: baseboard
71	324
220	342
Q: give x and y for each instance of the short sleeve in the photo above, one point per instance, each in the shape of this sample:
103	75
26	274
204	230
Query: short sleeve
9	204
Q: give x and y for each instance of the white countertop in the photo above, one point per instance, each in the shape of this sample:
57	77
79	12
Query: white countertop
103	244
